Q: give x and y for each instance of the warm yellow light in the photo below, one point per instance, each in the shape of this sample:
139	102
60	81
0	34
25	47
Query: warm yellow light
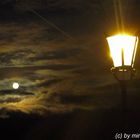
125	44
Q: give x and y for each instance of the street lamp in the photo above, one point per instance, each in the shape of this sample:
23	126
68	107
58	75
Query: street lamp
123	49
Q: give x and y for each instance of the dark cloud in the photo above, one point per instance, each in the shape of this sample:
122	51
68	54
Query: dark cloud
63	54
13	92
48	83
16	57
51	4
7	37
9	100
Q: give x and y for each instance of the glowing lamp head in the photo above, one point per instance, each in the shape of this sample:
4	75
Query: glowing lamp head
15	85
123	49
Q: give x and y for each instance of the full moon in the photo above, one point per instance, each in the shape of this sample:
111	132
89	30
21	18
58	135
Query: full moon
15	85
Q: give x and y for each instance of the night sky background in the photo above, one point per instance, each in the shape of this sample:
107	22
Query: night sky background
57	51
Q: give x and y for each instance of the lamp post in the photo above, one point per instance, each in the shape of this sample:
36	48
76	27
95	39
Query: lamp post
123	49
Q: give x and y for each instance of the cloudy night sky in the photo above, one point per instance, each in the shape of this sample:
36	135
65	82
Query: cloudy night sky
57	51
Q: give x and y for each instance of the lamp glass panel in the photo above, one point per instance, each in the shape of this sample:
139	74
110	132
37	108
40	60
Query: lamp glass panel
126	43
135	50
